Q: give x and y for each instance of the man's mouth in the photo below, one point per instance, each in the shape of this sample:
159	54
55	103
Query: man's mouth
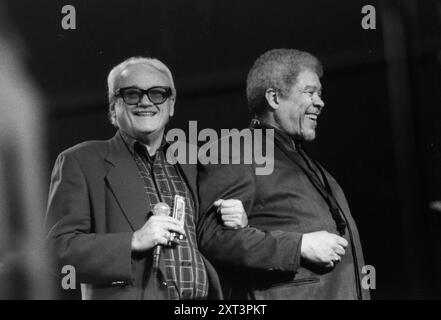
145	113
312	116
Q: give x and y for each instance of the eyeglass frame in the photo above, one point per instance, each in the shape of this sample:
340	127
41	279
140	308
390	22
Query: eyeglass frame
145	92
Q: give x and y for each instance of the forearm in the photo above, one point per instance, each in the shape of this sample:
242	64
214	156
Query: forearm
247	247
250	247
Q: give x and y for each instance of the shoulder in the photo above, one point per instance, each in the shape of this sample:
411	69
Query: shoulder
247	149
232	147
87	148
87	153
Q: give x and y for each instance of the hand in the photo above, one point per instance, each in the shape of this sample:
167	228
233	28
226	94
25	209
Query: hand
232	213
323	248
155	231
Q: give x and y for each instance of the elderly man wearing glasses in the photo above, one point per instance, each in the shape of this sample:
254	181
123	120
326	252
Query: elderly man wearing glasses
109	201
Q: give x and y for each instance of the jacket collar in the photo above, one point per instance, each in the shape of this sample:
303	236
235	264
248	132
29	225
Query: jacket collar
285	139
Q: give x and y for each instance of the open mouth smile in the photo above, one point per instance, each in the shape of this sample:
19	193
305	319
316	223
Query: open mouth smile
145	113
312	116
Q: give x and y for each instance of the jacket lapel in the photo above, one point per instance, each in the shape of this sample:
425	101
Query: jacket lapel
126	183
298	160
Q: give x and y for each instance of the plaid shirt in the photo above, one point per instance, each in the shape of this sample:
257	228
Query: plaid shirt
185	273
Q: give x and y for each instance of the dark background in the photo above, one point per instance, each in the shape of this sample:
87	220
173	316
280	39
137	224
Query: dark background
380	135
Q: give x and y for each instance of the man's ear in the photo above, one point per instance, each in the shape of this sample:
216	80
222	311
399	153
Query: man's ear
112	113
272	98
172	106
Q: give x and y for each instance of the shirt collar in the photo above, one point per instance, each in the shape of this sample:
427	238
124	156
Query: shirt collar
287	141
135	145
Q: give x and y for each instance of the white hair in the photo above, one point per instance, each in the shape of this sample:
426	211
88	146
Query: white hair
117	70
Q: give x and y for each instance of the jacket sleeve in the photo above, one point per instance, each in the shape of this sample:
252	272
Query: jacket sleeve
248	247
97	258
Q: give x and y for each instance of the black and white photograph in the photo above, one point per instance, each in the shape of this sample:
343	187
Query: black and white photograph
220	152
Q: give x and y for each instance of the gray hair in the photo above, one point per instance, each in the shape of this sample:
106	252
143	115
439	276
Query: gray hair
116	71
277	69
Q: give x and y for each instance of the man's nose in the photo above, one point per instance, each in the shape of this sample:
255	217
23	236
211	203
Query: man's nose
318	101
145	101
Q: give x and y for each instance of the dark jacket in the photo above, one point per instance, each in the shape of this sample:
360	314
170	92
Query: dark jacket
263	261
96	202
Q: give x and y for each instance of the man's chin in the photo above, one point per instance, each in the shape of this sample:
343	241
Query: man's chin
145	132
309	136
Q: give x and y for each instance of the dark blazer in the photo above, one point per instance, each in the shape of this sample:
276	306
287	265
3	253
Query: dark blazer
96	202
263	261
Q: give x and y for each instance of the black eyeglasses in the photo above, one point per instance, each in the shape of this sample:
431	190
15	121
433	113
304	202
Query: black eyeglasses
134	95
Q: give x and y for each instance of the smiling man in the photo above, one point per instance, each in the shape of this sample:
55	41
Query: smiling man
103	193
302	242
